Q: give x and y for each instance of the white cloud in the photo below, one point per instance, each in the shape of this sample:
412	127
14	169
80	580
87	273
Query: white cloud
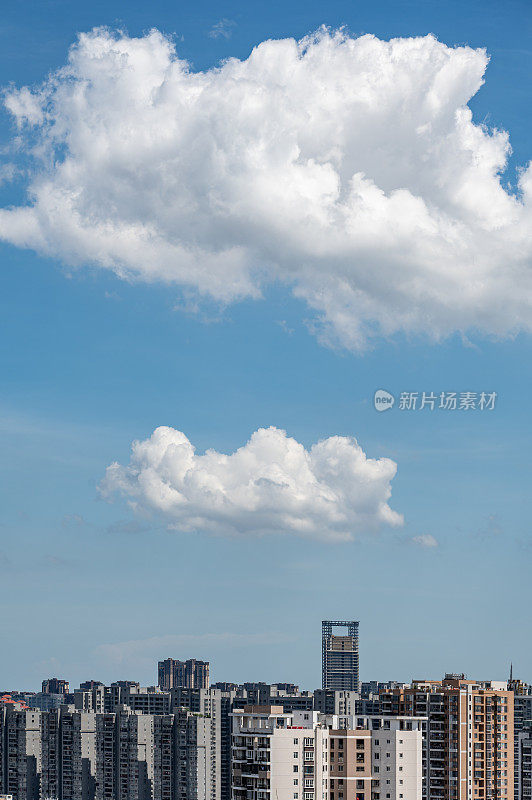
425	540
271	485
348	169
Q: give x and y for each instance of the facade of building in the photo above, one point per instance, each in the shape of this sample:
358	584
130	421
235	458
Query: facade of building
191	674
340	664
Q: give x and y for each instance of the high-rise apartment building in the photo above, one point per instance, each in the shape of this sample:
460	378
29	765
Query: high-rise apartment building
469	742
216	706
55	686
286	695
21	753
191	674
333	701
381	757
307	756
522	724
279	756
66	754
339	654
523	763
50	747
196	767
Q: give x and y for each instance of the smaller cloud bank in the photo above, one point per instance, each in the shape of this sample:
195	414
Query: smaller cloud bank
271	485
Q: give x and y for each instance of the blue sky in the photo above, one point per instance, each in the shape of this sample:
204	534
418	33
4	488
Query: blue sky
90	362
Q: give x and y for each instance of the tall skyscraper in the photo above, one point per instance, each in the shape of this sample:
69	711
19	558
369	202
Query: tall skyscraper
190	674
339	655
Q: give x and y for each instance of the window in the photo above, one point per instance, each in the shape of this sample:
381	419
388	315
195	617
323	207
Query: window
296	741
296	755
296	781
296	768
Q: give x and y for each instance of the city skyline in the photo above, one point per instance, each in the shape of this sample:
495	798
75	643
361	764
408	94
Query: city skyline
448	739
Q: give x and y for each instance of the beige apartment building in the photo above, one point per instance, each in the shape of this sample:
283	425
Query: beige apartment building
468	749
305	755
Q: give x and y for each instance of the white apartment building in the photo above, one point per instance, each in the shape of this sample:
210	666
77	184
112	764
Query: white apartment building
397	754
306	755
279	756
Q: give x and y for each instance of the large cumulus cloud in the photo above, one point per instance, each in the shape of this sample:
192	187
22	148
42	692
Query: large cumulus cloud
348	169
271	485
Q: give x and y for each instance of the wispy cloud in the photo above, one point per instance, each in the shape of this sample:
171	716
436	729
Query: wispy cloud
222	29
425	540
70	521
284	325
128	527
154	647
53	560
490	527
